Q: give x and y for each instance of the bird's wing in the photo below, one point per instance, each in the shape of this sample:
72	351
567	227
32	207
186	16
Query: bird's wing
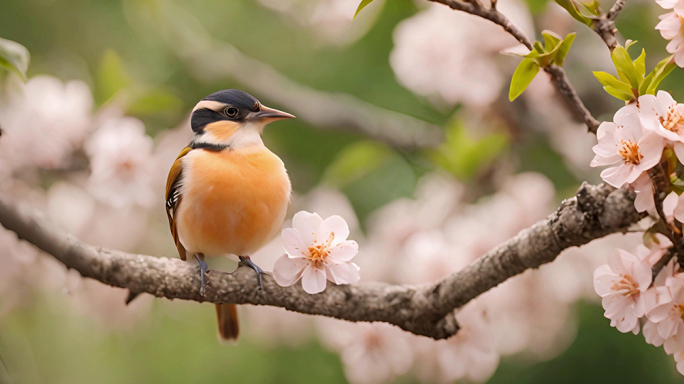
174	198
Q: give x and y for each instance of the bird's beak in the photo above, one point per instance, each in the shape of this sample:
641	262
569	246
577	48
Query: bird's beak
268	115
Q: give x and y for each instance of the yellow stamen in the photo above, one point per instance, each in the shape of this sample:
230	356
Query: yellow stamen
318	253
628	283
630	152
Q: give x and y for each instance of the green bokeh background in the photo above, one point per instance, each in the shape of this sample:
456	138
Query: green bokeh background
95	41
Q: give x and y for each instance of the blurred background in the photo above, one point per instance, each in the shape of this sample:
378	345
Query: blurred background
404	128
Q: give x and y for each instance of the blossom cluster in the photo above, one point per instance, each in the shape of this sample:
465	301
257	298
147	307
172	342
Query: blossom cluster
642	135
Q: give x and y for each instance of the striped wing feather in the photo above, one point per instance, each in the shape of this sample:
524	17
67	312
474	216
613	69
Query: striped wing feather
174	198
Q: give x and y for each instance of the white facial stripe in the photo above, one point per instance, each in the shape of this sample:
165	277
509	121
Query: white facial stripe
246	135
209	104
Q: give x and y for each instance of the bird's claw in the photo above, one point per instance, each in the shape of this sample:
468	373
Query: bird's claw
246	261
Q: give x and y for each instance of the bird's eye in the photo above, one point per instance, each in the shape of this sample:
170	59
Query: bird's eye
231	111
257	107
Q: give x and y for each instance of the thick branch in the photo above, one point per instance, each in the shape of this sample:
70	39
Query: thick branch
595	212
560	78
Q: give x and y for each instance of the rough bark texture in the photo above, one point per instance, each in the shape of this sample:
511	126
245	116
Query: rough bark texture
596	211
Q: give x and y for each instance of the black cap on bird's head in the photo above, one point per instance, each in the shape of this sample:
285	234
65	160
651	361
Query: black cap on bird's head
235	106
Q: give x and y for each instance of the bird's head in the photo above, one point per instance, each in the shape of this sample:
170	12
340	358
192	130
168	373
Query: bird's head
231	118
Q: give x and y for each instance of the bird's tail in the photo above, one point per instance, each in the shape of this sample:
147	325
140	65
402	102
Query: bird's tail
228	326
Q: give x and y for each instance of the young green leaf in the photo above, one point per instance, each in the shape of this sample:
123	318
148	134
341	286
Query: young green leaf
608	80
551	40
664	68
618	93
564	48
625	67
573	10
522	77
640	64
363	5
593	7
14	57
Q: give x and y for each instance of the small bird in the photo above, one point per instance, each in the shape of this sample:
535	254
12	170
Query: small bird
226	193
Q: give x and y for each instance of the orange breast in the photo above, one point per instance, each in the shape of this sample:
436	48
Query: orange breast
234	201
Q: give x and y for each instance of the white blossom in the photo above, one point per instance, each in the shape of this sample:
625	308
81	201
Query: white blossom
317	250
626	148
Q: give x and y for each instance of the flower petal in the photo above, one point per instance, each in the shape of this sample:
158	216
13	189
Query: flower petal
307	224
343	273
313	280
293	243
286	270
344	251
334	224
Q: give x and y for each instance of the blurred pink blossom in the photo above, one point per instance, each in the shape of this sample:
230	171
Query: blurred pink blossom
44	123
370	352
469	355
454	55
121	163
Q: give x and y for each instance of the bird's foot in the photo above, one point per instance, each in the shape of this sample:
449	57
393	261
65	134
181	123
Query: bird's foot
246	261
203	269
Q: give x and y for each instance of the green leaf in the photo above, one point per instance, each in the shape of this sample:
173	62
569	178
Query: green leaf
463	155
618	93
551	40
640	64
609	80
522	77
593	7
111	76
573	10
564	48
661	70
14	57
363	5
538	47
355	161
625	67
151	101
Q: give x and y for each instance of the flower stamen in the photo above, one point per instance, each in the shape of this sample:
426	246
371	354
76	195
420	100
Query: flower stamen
630	152
628	283
673	120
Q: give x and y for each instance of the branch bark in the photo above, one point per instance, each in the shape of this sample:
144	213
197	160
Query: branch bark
596	211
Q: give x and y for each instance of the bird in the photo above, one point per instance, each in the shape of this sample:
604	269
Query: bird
226	193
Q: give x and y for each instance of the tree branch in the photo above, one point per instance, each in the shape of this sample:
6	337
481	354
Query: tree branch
605	25
596	211
557	73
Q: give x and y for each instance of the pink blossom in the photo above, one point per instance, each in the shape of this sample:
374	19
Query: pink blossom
667	312
452	55
469	355
621	283
673	207
121	163
670	28
370	352
643	186
626	148
44	123
316	249
662	115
